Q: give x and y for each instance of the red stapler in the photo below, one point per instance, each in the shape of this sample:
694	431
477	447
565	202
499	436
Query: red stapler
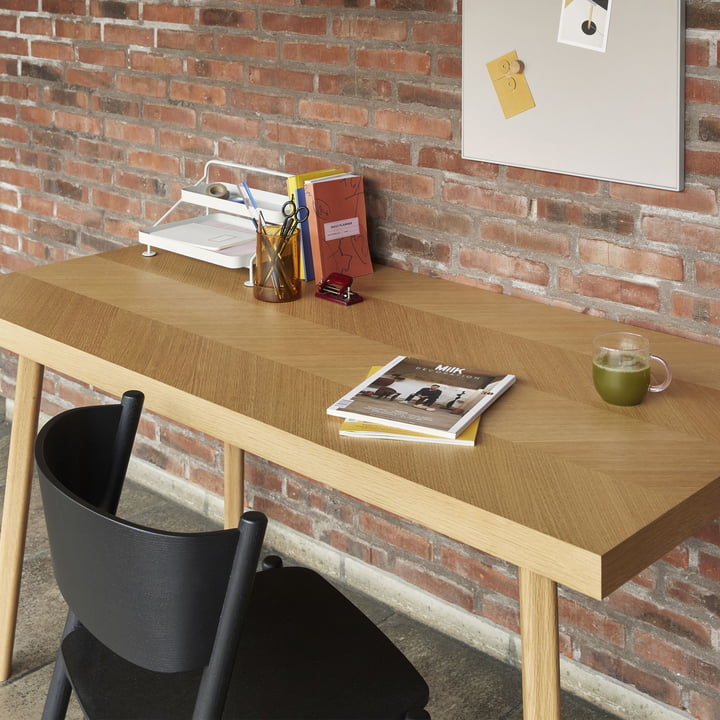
336	288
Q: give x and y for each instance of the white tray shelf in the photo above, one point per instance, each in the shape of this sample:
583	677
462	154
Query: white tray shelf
207	237
186	238
270	204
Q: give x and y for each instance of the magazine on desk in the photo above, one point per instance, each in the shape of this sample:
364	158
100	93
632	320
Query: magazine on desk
423	396
363	429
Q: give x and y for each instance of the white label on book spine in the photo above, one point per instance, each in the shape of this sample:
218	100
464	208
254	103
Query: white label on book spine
342	228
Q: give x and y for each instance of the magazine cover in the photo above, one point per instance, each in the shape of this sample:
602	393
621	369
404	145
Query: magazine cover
363	429
423	396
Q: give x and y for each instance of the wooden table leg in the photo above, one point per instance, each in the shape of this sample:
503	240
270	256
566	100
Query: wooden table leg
234	485
540	648
17	499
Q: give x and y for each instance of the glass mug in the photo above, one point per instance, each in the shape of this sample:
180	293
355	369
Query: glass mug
621	368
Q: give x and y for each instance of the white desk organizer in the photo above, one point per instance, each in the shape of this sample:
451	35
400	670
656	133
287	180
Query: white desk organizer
226	237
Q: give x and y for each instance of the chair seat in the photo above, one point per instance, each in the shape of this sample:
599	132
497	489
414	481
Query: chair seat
303	644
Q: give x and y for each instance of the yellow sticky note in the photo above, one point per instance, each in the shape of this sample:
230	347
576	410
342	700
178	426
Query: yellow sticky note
511	87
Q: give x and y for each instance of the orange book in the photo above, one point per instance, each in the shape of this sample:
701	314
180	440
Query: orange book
338	226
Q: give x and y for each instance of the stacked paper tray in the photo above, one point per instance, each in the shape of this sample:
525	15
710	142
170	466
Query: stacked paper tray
218	238
227	237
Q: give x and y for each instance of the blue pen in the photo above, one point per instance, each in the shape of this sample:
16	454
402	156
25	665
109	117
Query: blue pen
246	187
249	202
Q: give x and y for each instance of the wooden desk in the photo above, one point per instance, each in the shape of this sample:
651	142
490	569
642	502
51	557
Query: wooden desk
567	488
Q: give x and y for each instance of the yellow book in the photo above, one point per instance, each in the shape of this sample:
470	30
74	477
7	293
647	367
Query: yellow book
296	191
362	428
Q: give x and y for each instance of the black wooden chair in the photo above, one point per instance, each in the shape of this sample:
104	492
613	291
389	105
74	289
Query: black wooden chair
179	625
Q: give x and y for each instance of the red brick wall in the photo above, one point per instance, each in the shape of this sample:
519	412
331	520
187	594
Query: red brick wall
108	108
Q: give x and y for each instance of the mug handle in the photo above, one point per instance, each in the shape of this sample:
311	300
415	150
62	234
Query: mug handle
668	375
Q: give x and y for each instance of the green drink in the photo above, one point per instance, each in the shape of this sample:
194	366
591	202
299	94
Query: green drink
621	380
621	368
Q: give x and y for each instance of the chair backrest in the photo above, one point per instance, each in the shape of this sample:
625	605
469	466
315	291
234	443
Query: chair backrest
153	597
91	449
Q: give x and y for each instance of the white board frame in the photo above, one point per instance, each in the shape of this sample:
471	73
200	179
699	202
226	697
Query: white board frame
616	115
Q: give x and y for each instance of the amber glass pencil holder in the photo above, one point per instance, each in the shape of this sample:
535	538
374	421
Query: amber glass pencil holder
277	264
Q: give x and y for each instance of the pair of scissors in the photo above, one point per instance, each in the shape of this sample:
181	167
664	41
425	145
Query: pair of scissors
293	215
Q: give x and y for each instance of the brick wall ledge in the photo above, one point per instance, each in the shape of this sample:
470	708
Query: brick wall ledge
596	688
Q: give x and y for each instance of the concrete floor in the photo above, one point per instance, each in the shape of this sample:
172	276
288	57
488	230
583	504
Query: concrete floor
464	684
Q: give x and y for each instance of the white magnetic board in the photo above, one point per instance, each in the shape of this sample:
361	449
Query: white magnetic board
609	107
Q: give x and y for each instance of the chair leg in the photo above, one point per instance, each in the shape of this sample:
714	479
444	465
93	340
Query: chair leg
58	697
